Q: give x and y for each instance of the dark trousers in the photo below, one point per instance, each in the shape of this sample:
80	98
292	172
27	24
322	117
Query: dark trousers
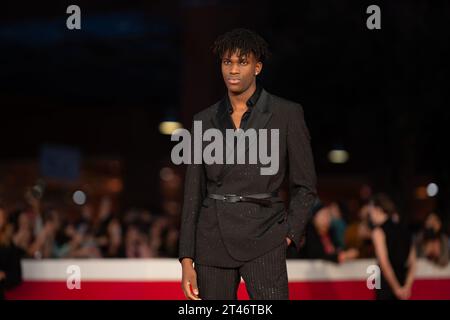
265	278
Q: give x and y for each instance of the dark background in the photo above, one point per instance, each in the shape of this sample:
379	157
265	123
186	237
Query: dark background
382	95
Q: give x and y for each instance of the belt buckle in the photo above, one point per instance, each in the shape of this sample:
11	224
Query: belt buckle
227	196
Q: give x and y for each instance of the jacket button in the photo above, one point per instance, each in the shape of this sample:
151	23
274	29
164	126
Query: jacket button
219	183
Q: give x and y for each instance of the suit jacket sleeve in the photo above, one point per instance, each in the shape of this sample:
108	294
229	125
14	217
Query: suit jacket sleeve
194	193
302	176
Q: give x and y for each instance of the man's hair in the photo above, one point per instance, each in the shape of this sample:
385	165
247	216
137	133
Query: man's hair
241	41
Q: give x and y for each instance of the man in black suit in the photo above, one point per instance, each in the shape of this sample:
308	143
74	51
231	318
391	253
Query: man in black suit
234	224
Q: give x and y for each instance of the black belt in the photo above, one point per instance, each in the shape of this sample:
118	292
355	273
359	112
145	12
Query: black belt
259	198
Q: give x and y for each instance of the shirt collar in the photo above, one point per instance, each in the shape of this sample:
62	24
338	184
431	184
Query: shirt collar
251	102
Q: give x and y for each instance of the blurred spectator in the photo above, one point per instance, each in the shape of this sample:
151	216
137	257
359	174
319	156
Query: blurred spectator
32	198
10	267
136	244
23	234
431	242
156	234
359	235
114	239
170	229
83	245
170	246
107	229
43	245
62	242
394	250
339	215
85	222
319	242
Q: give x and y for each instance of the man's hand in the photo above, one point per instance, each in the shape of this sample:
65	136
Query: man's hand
189	278
2	275
288	240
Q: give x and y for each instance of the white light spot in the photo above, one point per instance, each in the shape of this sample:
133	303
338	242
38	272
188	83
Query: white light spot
168	127
79	197
432	189
338	156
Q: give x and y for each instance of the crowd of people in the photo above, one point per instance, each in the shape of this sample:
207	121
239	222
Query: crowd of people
136	234
35	231
379	233
331	236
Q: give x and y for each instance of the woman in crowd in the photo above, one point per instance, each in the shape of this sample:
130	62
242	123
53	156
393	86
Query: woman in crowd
394	250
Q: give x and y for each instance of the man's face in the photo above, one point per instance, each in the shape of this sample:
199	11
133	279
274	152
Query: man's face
239	72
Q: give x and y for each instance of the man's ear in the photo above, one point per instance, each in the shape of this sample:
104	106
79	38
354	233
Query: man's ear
258	68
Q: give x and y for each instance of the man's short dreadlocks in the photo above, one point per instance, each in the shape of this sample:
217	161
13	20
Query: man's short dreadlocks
243	41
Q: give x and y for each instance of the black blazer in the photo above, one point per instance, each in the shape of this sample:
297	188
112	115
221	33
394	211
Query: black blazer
212	230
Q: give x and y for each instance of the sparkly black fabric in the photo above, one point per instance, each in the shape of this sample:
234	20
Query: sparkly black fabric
222	234
265	278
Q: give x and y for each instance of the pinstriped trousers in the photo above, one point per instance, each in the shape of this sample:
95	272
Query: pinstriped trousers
265	278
